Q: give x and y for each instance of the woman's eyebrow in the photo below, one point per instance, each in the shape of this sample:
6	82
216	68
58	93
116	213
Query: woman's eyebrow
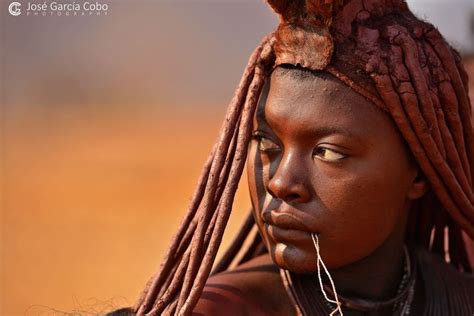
331	130
314	132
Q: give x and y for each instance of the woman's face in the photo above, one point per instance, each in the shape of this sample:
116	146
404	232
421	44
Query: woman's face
323	159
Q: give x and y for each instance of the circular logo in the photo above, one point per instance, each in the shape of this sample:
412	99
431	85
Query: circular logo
14	8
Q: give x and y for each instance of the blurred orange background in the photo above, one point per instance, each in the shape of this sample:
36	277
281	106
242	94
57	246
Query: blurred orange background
106	122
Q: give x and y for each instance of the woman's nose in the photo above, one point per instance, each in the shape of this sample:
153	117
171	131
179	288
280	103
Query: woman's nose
289	182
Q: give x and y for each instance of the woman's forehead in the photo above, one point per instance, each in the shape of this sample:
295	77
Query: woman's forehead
291	91
299	83
312	103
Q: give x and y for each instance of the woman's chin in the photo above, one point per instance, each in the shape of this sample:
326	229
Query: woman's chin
293	258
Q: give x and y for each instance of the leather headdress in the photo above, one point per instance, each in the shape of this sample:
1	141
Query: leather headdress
338	36
303	37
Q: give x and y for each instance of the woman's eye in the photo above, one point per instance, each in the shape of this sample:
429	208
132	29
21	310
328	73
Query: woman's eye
328	154
264	144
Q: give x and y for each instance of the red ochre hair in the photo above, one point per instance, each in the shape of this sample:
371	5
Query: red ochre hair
380	50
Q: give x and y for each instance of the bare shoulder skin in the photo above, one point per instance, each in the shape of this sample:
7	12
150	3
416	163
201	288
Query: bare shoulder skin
254	288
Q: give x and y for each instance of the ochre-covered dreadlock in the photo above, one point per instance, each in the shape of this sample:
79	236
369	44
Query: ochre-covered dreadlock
187	265
380	50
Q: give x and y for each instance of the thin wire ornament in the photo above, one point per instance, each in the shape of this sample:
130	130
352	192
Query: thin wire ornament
319	263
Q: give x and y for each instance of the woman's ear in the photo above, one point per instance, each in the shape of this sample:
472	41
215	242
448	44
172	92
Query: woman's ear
418	186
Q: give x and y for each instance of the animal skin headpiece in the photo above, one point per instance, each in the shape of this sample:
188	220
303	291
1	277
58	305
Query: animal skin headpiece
303	37
385	53
340	36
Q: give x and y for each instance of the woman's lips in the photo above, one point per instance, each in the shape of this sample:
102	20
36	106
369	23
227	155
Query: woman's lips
284	220
284	227
279	234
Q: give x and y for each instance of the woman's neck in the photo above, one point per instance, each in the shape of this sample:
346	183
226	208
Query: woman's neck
376	277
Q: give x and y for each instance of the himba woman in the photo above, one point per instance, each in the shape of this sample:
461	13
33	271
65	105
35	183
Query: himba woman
355	123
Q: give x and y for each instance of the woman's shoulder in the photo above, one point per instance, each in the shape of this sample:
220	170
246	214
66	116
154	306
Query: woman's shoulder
253	288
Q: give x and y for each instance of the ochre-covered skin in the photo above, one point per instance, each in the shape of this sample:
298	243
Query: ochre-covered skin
400	64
